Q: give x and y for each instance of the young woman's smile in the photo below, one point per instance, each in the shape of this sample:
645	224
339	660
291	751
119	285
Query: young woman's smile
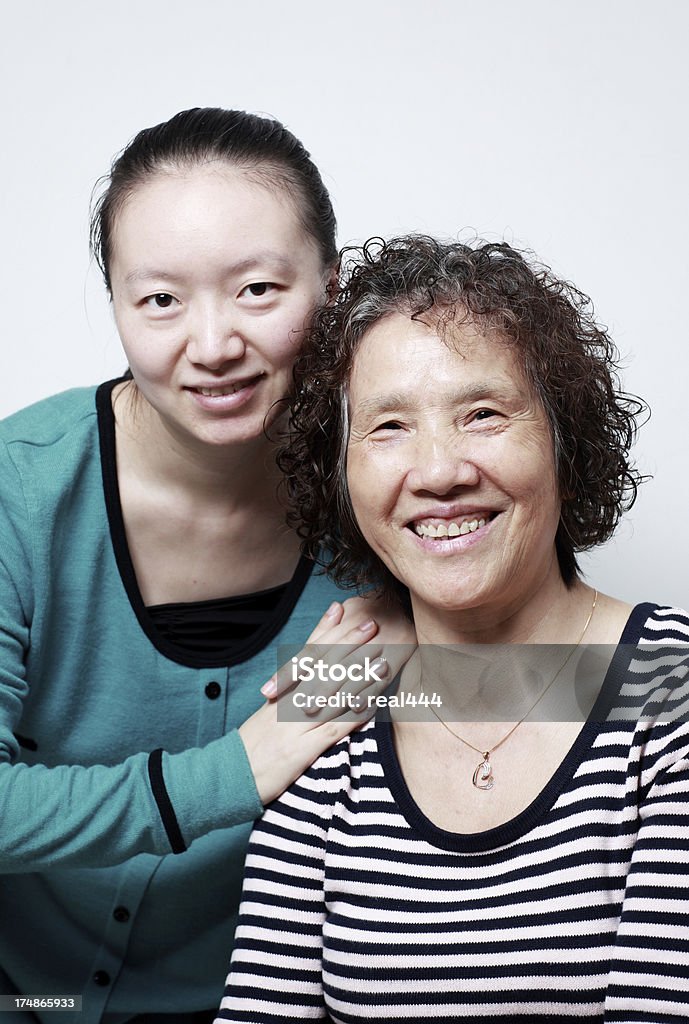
450	467
213	282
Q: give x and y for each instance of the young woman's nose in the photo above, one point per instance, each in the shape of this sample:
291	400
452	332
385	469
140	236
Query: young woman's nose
214	336
442	463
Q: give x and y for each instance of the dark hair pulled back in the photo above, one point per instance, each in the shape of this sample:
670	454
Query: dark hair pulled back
268	151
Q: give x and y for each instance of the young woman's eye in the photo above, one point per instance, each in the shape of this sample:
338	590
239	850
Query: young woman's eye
161	300
258	289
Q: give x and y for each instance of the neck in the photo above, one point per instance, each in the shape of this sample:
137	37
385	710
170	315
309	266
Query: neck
502	662
547	613
234	475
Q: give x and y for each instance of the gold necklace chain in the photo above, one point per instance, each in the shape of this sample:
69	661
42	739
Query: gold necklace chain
483	773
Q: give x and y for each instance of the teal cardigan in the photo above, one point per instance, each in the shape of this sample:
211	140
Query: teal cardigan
126	797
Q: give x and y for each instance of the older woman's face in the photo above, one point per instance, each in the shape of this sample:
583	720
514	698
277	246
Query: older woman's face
450	467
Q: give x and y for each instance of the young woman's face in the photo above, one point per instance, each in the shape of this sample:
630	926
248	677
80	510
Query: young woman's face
213	281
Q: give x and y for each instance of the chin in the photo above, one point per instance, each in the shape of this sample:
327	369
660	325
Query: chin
229	432
443	602
456	598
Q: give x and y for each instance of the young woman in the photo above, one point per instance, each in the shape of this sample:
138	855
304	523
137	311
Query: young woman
147	577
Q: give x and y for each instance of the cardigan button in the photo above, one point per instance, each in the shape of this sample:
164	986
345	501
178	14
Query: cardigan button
121	914
213	690
101	978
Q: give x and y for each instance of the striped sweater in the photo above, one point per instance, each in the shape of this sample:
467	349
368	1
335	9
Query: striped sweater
357	908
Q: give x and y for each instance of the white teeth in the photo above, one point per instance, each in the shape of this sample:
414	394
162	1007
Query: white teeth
449	529
217	392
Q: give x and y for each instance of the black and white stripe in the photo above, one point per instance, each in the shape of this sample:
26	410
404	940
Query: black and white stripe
357	908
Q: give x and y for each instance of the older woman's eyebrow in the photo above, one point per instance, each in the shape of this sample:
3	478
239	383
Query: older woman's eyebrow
380	403
496	389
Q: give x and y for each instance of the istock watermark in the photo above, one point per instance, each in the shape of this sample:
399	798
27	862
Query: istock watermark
321	682
306	669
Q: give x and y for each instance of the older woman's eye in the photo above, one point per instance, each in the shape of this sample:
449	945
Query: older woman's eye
484	414
388	425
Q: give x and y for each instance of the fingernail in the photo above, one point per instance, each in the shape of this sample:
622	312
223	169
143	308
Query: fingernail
380	666
367	626
332	610
270	688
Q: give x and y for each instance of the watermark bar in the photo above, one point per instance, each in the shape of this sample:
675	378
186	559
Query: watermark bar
485	682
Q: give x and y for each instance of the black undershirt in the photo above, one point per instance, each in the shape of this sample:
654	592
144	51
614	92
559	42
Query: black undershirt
216	626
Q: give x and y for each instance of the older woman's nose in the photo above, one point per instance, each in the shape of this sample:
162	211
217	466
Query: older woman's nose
441	465
214	338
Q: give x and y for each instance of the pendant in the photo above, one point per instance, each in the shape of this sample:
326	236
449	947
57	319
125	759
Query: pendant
483	775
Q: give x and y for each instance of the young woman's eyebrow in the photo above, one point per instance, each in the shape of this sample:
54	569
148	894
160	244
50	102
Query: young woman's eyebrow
273	260
150	274
266	257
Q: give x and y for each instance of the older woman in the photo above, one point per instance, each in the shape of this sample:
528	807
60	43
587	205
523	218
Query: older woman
520	851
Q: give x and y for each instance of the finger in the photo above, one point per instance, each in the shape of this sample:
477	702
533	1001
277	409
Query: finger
355	615
332	617
270	687
396	655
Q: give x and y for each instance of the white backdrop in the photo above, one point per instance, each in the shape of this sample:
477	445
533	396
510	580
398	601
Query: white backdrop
558	124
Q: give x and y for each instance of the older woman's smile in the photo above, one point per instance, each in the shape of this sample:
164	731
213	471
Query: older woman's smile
456	525
449	529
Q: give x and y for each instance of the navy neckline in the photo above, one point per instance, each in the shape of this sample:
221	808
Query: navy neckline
526	820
